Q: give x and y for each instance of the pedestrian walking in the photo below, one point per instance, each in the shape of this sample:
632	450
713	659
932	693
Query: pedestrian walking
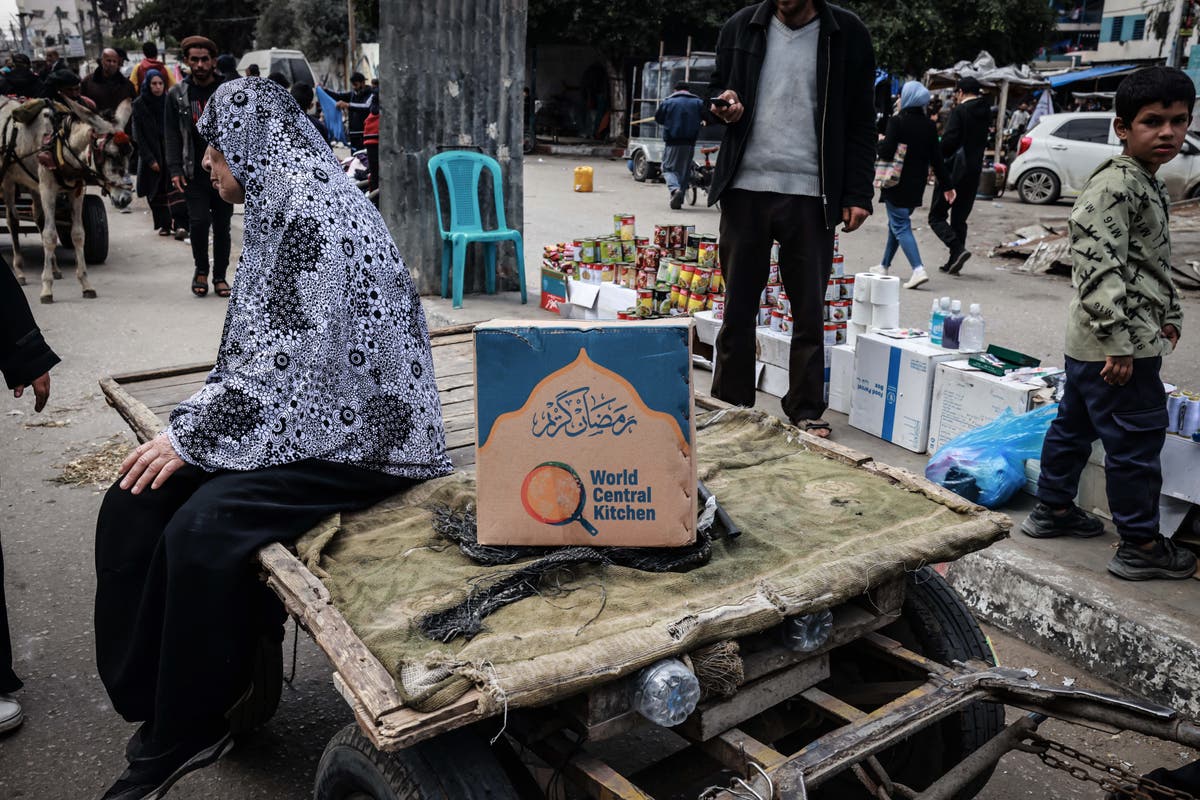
1124	318
185	146
795	84
322	400
227	67
25	361
52	62
357	103
150	61
680	115
106	86
20	79
963	143
912	128
168	209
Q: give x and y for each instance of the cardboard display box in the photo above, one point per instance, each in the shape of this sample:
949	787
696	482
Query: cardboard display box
965	398
585	433
893	387
596	301
707	327
554	289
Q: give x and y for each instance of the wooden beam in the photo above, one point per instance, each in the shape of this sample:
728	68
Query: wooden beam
142	420
599	780
735	748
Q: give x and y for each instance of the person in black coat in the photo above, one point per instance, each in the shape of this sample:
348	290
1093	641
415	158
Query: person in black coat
963	144
25	361
912	128
20	80
153	180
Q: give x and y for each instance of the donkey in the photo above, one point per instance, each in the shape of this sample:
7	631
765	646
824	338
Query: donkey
60	153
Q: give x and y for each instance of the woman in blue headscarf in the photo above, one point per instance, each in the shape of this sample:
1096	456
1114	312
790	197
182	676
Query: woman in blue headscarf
153	182
910	127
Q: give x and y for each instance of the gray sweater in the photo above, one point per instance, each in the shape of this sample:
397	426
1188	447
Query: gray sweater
782	154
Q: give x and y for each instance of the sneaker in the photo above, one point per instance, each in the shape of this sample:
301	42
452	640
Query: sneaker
879	269
11	715
181	234
1043	523
918	277
956	264
677	199
1164	560
147	780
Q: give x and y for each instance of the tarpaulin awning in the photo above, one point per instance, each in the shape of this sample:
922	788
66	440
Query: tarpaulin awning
985	70
1089	74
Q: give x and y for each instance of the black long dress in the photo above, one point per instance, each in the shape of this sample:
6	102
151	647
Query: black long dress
168	211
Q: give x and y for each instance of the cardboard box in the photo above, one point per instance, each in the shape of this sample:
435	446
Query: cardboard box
774	348
596	301
554	289
773	380
707	327
585	433
841	377
965	398
893	387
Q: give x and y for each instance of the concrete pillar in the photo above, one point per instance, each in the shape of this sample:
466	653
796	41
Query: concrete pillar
452	75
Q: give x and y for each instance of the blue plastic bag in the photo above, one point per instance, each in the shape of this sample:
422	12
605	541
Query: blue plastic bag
987	465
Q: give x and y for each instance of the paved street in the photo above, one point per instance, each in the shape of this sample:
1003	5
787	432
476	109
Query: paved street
71	744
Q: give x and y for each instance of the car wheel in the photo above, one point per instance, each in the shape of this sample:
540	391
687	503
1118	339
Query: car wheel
641	166
1194	192
1039	187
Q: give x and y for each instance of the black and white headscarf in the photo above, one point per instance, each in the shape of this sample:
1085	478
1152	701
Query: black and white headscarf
325	352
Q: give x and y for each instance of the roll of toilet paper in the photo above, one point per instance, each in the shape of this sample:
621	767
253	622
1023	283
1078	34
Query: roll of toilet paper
860	311
885	316
862	286
853	331
885	290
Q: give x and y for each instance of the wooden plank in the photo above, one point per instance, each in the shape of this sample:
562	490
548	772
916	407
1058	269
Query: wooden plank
460	438
183	379
734	748
716	717
163	372
451	330
451	382
144	423
457	395
405	727
307	599
451	338
598	779
463	457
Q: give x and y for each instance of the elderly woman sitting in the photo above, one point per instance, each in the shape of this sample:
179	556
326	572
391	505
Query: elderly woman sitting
322	400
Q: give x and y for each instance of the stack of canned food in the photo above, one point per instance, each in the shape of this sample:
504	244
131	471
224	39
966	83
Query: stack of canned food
775	309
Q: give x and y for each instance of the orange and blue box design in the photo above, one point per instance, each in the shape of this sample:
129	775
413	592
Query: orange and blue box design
585	433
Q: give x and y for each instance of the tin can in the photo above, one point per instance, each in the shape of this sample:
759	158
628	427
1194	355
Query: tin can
702	277
836	244
839	267
1190	421
783	303
773	291
839	311
645	303
839	333
764	314
696	303
650	256
569	268
662	235
626	315
687	273
674	295
628	250
846	285
692	248
718	306
776	319
681	300
623	226
1174	412
774	252
832	291
773	274
662	300
611	251
608	273
825	309
646	278
642	241
717	284
707	251
587	250
786	325
831	334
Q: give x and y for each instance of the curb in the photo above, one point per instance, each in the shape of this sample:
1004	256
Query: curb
1069	613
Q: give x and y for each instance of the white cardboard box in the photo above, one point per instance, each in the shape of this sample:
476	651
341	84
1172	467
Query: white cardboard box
774	348
841	377
774	380
595	300
707	326
964	398
893	387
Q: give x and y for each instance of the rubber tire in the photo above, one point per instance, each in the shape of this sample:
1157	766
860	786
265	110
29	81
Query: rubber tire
641	167
95	230
1055	192
266	688
454	766
692	195
945	631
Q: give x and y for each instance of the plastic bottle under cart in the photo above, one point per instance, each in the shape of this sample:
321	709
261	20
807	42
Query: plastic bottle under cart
970	336
951	326
936	322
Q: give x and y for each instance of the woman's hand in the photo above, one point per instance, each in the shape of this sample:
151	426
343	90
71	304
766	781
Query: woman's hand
150	464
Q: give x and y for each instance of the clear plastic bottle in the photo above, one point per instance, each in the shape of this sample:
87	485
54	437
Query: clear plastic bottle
808	632
951	325
936	322
970	335
666	692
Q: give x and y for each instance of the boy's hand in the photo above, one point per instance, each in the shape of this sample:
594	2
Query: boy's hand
1171	334
1117	370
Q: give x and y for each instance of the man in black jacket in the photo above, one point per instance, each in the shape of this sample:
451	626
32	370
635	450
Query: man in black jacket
358	101
20	81
25	361
795	83
680	116
963	143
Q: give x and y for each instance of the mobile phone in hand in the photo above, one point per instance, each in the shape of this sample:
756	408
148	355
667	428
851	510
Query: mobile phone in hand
720	102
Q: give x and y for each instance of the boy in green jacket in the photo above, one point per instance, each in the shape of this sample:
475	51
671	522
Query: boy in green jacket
1124	318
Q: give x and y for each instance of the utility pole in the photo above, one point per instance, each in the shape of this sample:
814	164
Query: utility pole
21	15
99	33
62	37
352	47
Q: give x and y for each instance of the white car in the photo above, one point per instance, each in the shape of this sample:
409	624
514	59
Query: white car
1058	155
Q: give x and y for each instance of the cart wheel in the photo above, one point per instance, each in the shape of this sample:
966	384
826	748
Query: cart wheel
692	195
454	766
95	230
257	709
641	166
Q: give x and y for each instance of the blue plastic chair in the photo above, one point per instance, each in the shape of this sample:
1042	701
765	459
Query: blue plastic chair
462	170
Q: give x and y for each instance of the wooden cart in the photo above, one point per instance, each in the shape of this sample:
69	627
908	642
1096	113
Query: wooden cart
904	700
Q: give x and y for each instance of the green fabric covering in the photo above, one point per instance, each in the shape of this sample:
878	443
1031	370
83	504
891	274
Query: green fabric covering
817	532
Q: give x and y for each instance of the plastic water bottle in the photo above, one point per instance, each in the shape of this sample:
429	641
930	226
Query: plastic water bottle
666	692
970	336
808	632
936	322
951	325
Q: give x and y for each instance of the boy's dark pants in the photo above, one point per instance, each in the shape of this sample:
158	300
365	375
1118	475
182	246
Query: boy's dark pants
1131	421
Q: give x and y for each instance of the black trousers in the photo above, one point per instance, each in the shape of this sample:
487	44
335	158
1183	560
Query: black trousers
356	141
1131	421
9	682
749	222
207	210
953	232
179	607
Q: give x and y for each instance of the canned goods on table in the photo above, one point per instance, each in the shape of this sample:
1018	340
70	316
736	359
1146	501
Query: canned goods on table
717	284
691	250
587	250
716	302
701	279
687	273
839	266
650	256
662	235
611	251
646	278
764	314
774	252
628	250
773	274
776	319
696	303
786	325
662	300
839	311
772	294
645	302
846	286
682	299
707	252
623	226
